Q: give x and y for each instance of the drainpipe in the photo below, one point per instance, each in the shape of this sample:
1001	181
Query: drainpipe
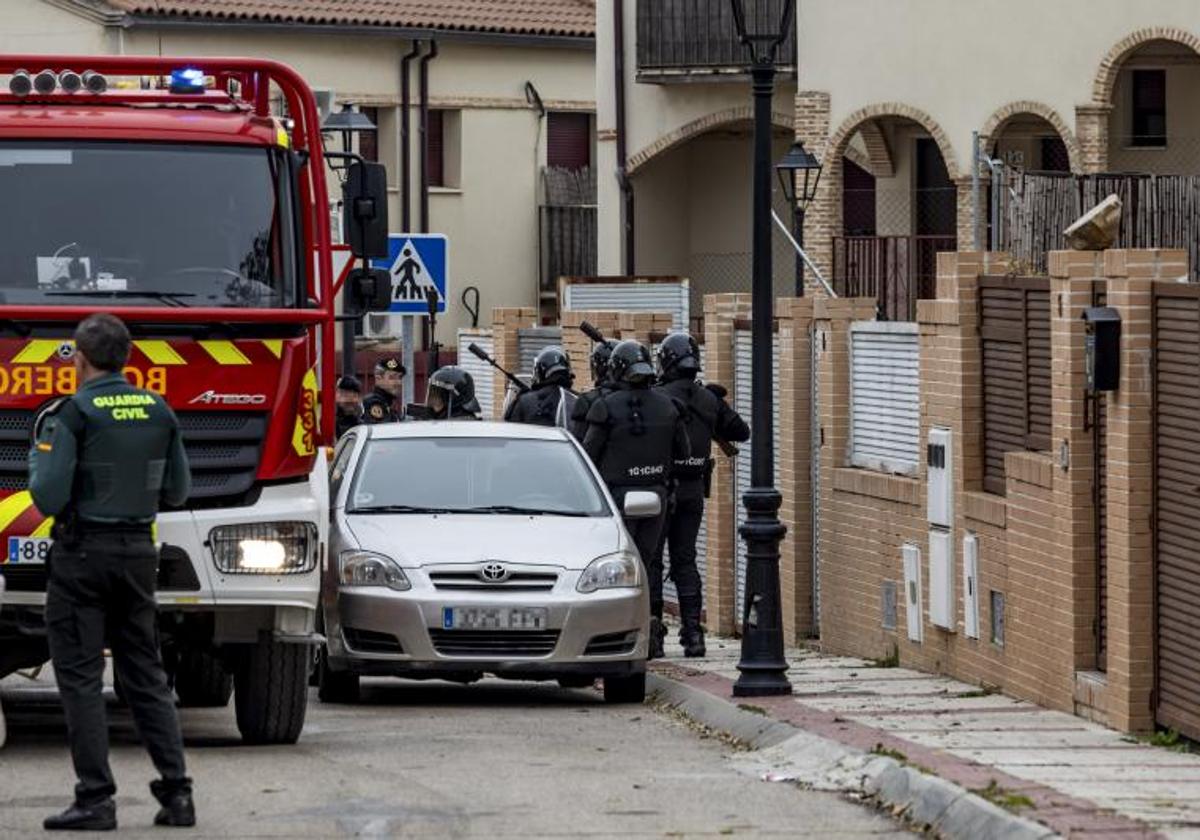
405	139
622	152
424	130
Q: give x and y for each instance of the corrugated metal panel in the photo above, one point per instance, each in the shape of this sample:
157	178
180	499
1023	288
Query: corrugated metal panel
532	341
1015	333
885	403
743	404
670	297
480	370
1177	506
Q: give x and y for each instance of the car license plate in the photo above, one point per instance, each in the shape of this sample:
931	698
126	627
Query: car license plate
494	618
27	550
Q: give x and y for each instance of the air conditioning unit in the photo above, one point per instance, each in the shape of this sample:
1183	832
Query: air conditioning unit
379	326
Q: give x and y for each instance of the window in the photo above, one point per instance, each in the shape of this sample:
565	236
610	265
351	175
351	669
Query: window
435	151
368	141
569	140
1149	108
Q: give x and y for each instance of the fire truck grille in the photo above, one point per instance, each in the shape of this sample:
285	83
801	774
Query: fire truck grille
223	449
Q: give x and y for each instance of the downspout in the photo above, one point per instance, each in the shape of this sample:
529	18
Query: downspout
424	162
622	151
405	139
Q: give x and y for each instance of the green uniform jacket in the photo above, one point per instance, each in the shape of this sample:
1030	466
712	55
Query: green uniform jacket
112	451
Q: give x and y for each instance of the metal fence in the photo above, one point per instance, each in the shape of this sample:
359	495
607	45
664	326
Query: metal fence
895	270
675	37
567	227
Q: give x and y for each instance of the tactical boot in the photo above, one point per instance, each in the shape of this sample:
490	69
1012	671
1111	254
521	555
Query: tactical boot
178	810
692	639
691	635
658	634
101	816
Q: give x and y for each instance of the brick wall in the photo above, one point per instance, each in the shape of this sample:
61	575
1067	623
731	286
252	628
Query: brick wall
506	321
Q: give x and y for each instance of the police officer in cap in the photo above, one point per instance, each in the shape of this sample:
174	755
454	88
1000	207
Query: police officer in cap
102	463
635	436
348	396
552	377
708	417
601	353
451	395
382	404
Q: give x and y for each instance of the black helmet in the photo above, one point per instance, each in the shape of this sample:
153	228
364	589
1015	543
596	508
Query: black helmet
349	383
457	389
679	355
552	363
631	363
601	353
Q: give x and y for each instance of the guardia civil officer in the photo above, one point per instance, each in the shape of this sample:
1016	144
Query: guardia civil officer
601	353
635	436
382	405
348	396
103	462
708	417
552	377
451	395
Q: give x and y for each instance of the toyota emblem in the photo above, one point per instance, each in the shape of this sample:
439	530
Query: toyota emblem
494	573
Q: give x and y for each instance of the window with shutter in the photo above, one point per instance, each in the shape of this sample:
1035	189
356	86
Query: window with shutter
435	150
569	140
1149	108
368	141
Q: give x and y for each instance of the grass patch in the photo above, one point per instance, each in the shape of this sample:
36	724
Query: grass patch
754	710
892	660
888	752
1003	797
1168	739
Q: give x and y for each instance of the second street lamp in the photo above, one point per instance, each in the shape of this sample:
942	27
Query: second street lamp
799	173
762	27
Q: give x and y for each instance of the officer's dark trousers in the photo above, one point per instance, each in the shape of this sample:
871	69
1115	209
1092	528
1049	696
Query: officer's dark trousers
104	590
646	530
679	535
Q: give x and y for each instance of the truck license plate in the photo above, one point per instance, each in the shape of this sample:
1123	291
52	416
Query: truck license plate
27	550
494	618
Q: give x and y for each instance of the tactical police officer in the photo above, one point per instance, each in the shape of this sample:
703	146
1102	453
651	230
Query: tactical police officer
552	378
601	353
451	395
102	463
635	436
348	396
708	418
382	404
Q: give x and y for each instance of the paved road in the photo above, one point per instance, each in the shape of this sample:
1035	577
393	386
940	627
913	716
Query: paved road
430	759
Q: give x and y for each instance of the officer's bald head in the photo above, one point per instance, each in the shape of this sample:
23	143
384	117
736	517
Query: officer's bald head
103	340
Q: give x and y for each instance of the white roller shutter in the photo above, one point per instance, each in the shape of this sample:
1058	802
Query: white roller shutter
673	297
744	405
532	341
885	403
480	370
815	344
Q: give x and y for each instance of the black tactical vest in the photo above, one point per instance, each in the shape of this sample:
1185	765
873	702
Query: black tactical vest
701	420
641	434
538	407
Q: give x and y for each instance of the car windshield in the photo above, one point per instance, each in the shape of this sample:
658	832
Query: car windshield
476	475
149	224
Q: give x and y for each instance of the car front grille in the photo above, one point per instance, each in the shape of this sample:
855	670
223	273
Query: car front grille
612	644
490	644
515	582
368	641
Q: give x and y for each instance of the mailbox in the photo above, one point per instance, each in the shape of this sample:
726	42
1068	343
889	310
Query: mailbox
1103	348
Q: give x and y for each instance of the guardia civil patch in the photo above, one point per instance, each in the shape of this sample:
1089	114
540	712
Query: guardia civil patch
377	412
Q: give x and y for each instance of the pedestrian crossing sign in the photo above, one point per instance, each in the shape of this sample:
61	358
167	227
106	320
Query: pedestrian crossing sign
416	262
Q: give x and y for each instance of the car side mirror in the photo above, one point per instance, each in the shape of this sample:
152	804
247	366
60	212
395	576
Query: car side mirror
642	504
365	215
368	290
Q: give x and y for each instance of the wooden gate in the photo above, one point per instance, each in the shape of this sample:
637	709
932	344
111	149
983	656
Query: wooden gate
1177	506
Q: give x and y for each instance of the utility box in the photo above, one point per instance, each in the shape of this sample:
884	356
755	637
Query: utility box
912	592
971	586
1103	348
940	475
941	580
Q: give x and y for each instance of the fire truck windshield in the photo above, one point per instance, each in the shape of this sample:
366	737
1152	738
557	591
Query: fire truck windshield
151	224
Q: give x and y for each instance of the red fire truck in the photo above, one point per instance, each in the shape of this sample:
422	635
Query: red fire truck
188	197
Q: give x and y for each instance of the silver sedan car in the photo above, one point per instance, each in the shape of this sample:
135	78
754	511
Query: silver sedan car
460	549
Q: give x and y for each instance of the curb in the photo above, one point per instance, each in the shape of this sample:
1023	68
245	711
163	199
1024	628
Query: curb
949	811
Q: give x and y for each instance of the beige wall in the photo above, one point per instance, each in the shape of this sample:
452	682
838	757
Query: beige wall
33	26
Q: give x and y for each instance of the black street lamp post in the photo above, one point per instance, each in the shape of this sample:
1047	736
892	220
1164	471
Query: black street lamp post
762	26
799	173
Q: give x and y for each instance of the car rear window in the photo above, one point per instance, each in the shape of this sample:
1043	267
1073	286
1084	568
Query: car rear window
475	474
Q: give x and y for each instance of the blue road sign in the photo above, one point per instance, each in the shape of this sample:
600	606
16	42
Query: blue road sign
417	262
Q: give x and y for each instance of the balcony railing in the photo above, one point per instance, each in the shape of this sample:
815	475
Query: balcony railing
895	270
683	39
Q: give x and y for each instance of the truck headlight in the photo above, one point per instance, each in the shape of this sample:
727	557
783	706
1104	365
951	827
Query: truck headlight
366	568
612	571
264	548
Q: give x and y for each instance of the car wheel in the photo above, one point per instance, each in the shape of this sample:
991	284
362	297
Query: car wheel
576	682
335	686
271	692
630	689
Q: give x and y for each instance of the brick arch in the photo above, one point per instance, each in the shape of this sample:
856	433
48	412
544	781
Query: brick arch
996	123
690	130
841	138
1106	75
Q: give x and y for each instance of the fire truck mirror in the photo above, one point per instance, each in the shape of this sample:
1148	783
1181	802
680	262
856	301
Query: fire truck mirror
364	199
368	290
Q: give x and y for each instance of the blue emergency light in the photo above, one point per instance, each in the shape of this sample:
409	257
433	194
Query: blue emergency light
187	80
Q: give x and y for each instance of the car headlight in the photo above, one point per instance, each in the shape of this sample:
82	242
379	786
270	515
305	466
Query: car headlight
612	571
264	548
366	568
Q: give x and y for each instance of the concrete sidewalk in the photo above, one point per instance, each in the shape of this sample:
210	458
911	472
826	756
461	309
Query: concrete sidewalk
1077	778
